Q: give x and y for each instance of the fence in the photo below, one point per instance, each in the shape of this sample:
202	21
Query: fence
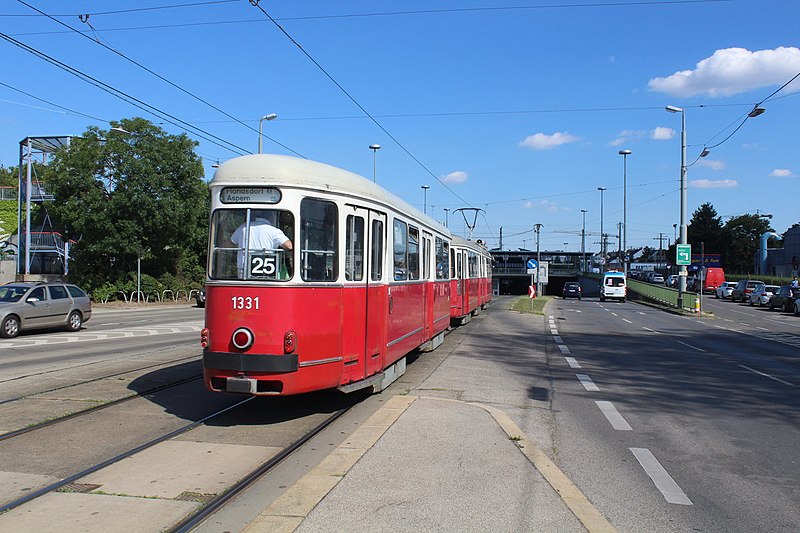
656	293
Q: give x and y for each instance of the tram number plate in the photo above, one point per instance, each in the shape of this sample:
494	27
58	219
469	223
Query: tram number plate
263	266
240	385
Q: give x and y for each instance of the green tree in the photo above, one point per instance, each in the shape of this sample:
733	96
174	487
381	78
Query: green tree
124	195
705	227
742	236
8	176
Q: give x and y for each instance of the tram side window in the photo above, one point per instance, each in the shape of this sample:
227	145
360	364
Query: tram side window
354	249
399	248
251	244
473	265
413	253
426	257
442	259
376	264
318	240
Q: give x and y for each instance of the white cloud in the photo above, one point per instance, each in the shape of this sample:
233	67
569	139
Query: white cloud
662	133
732	71
541	141
455	177
715	184
626	136
781	173
545	205
713	164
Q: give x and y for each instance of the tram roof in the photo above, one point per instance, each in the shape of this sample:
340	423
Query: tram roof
262	169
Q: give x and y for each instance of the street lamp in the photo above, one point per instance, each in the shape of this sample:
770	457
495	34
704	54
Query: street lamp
446	212
271	116
537	228
374	148
625	154
602	235
583	241
425	201
565	246
682	271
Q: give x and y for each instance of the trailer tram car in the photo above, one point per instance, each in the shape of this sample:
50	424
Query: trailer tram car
366	281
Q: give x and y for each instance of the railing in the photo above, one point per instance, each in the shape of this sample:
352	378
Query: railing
8	193
663	295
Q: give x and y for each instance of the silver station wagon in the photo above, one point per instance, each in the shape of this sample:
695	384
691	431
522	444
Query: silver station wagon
25	306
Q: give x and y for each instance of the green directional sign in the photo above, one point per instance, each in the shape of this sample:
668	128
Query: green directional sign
683	254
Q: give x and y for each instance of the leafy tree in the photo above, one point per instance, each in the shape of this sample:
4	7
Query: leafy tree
8	176
705	227
127	195
742	236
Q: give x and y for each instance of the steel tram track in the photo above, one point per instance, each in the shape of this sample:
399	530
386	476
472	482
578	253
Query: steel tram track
240	486
76	414
74	477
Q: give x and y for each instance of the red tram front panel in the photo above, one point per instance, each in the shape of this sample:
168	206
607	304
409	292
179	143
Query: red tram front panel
309	320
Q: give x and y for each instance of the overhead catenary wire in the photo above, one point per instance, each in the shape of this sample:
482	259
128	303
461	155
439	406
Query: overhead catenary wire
65	109
150	71
175	121
255	3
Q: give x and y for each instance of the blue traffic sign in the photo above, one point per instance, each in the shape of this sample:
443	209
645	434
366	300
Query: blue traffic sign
532	263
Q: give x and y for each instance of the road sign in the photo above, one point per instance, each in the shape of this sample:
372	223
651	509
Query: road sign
683	253
544	272
532	292
532	264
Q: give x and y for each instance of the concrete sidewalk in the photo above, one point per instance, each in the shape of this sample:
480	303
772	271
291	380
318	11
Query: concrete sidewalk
430	464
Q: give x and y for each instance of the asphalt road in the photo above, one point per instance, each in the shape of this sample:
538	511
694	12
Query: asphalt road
671	423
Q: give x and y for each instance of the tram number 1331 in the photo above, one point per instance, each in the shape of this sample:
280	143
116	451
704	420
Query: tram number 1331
245	302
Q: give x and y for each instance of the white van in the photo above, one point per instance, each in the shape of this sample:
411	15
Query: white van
613	287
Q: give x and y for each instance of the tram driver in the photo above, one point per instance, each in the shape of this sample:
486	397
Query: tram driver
263	236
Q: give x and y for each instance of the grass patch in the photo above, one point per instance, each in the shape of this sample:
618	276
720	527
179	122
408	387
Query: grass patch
523	304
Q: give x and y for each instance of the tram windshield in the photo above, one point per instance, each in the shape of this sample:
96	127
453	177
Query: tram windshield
251	244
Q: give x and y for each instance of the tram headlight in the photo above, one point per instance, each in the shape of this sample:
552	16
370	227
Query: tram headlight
242	338
289	342
204	338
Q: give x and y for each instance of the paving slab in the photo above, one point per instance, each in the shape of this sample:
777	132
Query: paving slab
174	467
95	513
15	485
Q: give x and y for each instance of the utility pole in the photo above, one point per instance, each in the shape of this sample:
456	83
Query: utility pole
660	239
537	228
501	237
583	242
619	242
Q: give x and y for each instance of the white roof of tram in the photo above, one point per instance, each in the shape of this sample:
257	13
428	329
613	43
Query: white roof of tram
270	169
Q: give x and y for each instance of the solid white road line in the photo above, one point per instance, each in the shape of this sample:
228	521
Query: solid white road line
612	415
692	347
587	383
573	363
662	480
767	375
563	348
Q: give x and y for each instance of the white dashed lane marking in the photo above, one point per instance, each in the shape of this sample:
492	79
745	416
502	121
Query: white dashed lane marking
587	383
612	415
573	363
661	478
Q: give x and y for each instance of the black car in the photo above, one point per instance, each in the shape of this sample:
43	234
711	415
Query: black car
784	298
572	290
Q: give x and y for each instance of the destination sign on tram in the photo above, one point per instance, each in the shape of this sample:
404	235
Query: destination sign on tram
250	195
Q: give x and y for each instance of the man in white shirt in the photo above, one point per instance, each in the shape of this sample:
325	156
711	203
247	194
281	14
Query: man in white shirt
263	236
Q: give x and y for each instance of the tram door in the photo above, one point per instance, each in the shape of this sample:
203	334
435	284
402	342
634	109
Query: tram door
363	324
427	282
463	280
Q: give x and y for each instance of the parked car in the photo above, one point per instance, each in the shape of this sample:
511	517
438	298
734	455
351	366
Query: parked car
26	306
785	298
724	290
671	281
200	298
743	289
657	278
572	289
762	293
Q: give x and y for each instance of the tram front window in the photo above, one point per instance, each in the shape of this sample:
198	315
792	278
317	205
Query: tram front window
251	244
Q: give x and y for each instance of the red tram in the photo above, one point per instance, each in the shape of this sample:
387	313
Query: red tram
350	280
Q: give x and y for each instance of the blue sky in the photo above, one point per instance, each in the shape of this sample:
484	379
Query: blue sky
518	108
